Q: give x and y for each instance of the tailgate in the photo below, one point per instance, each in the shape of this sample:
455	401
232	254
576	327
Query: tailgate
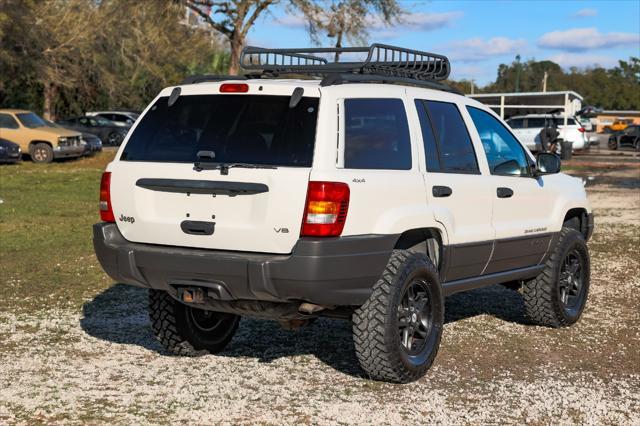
258	210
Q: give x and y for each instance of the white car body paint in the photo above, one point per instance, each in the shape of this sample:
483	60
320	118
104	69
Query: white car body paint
381	201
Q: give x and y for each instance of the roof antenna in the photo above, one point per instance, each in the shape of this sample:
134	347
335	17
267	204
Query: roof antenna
175	94
295	97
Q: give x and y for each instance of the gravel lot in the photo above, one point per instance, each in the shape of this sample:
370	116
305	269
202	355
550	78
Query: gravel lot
101	364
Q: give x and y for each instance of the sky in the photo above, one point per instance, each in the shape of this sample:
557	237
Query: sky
479	35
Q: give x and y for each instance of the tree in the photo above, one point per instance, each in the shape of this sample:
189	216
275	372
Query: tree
233	19
149	47
614	88
347	19
64	66
51	49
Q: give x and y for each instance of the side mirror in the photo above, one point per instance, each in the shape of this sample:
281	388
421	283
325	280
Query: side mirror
547	164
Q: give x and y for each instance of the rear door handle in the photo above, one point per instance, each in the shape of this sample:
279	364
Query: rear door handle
504	192
441	191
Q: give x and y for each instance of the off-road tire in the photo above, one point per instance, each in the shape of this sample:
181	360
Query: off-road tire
542	295
376	324
41	153
173	325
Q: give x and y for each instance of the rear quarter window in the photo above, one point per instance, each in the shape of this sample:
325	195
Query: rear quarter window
376	135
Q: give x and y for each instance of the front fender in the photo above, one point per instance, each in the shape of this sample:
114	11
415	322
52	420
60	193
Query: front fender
571	195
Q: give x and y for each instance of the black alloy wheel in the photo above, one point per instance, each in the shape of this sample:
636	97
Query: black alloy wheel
571	283
415	317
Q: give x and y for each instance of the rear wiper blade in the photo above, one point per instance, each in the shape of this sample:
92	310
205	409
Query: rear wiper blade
224	167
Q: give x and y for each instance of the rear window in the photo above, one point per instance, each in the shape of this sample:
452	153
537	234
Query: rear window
252	129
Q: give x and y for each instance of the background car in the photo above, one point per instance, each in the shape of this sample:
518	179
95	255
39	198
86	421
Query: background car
108	132
9	152
93	144
527	128
617	126
629	137
121	118
42	141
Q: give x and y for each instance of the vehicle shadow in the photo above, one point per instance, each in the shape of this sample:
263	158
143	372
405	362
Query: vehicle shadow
119	315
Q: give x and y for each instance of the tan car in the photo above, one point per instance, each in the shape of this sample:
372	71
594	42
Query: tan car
37	138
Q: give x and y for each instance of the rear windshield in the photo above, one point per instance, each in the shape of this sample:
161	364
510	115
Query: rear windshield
254	129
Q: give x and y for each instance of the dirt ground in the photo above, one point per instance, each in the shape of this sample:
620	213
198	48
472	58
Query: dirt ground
101	363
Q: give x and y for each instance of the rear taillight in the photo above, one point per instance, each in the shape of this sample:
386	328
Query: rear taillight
106	212
234	88
581	129
325	210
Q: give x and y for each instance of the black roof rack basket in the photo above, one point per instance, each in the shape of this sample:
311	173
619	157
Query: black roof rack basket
381	60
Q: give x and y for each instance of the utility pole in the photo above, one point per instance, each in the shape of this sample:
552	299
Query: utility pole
517	73
472	85
544	81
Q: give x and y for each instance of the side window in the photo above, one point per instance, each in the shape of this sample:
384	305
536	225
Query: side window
455	150
376	135
516	123
84	121
8	122
428	138
504	153
536	122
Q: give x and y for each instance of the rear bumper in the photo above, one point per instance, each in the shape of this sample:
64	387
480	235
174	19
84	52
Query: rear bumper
336	271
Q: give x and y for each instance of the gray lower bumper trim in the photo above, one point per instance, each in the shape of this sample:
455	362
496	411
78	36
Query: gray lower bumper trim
334	271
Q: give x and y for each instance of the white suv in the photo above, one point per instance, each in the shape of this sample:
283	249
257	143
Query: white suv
527	129
369	195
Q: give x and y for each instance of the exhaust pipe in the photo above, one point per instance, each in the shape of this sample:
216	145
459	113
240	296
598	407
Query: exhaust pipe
310	308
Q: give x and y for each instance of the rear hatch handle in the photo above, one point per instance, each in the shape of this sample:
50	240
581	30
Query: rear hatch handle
188	186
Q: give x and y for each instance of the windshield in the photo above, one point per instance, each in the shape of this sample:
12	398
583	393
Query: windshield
31	120
254	129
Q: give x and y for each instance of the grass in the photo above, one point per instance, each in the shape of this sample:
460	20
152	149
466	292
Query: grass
46	252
